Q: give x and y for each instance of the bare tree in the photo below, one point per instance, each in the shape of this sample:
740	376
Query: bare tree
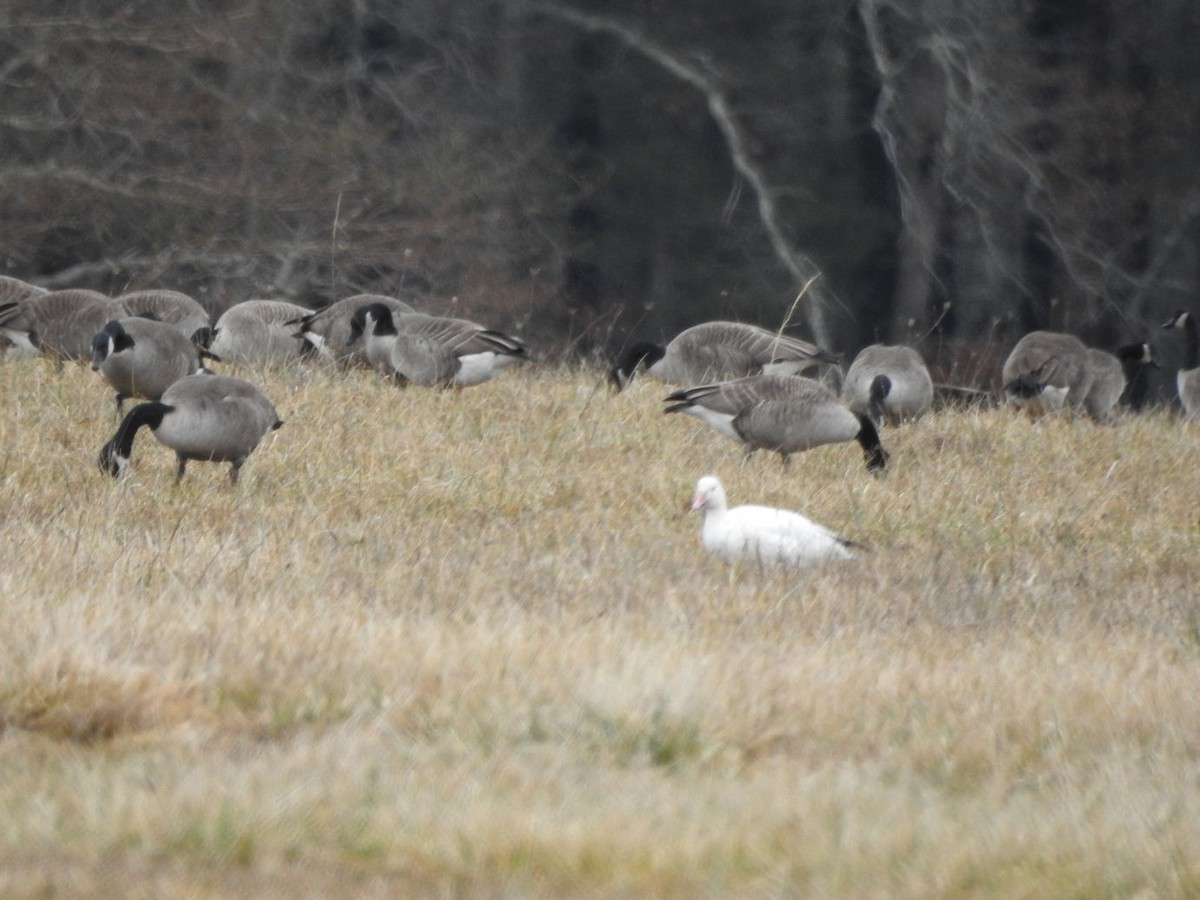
803	270
283	150
1019	135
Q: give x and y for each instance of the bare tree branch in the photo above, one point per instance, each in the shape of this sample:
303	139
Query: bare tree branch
803	269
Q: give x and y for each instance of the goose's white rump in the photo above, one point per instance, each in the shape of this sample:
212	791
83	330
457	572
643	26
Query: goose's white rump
770	536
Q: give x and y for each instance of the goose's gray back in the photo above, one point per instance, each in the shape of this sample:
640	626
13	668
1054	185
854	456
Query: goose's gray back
259	331
175	308
160	356
427	350
794	414
785	413
713	351
1058	360
64	321
911	392
215	417
14	289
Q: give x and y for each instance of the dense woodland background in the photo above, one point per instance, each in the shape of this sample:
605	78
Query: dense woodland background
944	173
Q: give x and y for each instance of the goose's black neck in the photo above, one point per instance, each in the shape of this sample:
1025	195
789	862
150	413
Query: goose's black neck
1136	361
148	414
640	354
384	324
881	386
868	439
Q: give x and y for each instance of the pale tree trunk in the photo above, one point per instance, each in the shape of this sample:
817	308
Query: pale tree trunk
913	139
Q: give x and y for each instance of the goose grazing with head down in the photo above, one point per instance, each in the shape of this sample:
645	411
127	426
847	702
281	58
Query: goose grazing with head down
1045	371
209	418
1187	380
60	324
142	358
784	413
769	536
13	291
330	331
432	350
258	331
890	383
713	351
174	308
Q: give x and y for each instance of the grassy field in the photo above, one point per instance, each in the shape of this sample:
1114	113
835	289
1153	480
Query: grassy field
468	645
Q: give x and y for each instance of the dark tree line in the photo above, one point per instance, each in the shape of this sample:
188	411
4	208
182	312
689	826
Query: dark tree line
932	171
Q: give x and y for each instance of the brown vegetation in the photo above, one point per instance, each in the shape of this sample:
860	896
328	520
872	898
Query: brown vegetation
468	643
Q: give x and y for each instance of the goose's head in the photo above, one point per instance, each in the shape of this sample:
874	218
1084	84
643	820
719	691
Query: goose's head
1137	354
709	494
112	338
371	318
111	460
203	336
639	355
1179	319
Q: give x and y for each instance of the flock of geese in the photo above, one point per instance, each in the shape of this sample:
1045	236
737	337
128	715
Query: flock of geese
155	345
762	389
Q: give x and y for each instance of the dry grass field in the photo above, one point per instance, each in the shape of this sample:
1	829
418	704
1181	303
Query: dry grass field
467	644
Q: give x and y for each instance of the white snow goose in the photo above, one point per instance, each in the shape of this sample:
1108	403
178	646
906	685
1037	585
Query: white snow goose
769	536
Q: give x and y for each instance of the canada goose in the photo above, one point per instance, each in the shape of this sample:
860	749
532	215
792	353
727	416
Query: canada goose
1187	380
432	350
329	329
784	413
60	323
174	308
764	534
210	418
1109	374
14	290
258	331
142	358
888	382
1047	370
719	350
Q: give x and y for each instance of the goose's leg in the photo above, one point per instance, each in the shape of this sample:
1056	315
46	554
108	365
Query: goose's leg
235	470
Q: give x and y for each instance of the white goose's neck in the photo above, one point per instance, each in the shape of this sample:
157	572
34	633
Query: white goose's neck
714	512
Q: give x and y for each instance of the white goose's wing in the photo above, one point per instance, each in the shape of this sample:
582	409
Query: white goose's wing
783	536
